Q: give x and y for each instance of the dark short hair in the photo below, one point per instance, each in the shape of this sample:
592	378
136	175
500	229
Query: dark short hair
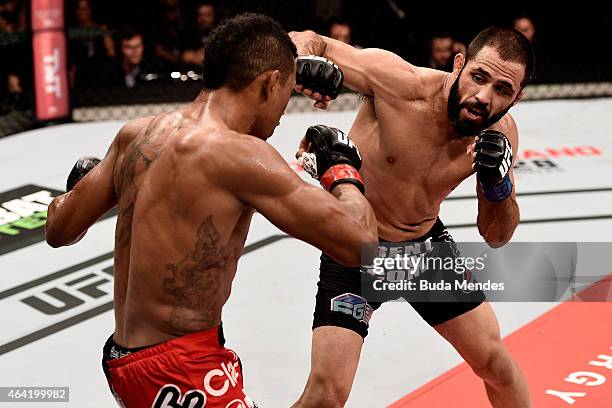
201	3
511	45
339	21
441	34
243	47
127	33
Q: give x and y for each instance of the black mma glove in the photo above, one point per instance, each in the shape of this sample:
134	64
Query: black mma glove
80	169
320	75
492	163
332	157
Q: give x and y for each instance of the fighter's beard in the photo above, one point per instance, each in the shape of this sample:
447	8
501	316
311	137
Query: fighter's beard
465	128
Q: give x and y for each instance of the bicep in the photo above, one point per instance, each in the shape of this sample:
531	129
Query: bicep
370	71
294	206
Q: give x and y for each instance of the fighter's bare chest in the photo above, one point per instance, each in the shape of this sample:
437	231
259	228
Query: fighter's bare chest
417	149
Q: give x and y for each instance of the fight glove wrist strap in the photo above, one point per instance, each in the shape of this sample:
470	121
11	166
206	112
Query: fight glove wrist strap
499	192
342	173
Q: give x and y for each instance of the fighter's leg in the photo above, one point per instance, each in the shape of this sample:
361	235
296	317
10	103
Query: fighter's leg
340	324
334	360
475	335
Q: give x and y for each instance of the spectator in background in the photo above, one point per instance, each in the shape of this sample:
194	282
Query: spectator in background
14	51
525	25
341	31
84	18
206	16
442	50
12	17
131	70
91	45
171	32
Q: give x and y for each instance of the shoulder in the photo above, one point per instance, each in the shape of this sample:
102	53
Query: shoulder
388	69
414	82
229	151
243	162
132	128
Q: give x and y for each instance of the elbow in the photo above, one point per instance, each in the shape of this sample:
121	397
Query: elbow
351	255
52	235
498	232
371	235
497	239
52	240
347	253
54	244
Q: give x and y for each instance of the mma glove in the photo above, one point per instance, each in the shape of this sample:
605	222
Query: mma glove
319	75
492	164
80	169
332	158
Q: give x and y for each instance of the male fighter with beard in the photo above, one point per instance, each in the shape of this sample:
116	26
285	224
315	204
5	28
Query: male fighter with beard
186	184
421	133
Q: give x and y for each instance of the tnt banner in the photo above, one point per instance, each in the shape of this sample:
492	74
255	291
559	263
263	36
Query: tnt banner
50	65
47	15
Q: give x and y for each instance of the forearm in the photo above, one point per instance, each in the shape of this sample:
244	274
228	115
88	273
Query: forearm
350	222
497	220
355	203
308	43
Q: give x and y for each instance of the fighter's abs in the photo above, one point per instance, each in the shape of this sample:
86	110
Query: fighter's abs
409	168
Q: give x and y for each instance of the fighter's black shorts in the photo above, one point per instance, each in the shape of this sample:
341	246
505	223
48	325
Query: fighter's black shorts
340	285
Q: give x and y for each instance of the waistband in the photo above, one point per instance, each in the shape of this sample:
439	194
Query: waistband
210	339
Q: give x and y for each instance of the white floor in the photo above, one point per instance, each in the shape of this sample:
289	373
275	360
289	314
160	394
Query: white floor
267	320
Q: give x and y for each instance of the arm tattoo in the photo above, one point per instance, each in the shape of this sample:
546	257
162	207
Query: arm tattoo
196	279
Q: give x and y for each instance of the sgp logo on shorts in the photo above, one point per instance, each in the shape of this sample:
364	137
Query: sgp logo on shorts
352	305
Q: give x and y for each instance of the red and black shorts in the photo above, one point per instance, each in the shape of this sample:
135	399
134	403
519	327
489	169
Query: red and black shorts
193	371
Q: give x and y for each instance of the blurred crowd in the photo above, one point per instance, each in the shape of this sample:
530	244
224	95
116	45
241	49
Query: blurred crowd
131	44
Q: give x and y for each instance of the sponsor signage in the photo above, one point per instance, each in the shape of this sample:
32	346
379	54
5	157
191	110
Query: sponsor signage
23	214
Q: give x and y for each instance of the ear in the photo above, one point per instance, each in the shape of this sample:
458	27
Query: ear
270	81
458	62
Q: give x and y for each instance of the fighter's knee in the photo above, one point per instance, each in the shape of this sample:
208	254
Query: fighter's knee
322	391
496	366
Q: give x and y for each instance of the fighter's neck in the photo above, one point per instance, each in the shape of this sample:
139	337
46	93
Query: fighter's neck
226	109
441	103
447	84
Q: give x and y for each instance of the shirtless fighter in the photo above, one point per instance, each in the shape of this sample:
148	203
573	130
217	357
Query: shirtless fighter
186	184
421	133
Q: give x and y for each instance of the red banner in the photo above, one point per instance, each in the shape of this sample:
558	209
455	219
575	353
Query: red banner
50	65
50	79
47	15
